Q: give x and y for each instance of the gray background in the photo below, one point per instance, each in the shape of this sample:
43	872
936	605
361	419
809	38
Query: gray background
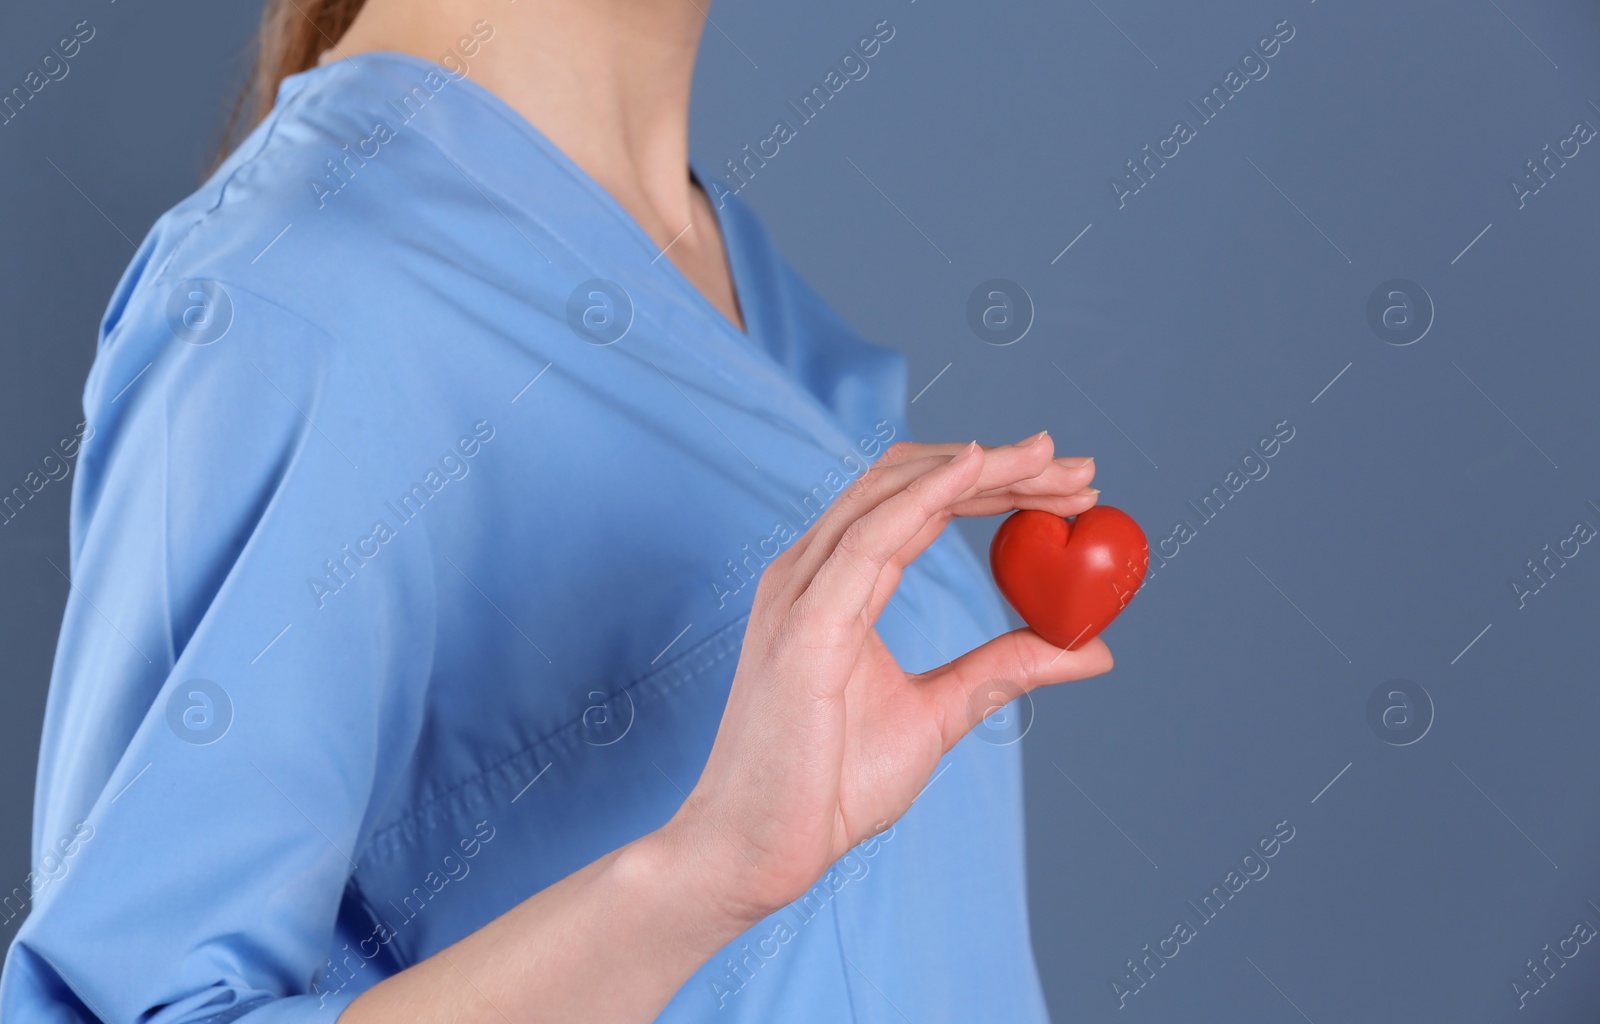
1222	299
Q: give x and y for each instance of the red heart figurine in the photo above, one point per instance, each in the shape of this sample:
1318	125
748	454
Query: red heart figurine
1068	578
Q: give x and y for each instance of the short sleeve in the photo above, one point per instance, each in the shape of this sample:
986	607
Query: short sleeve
220	737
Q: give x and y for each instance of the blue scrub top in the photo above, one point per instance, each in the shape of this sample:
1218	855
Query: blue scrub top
406	582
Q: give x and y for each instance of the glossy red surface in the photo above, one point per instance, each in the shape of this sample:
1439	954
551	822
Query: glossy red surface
1068	578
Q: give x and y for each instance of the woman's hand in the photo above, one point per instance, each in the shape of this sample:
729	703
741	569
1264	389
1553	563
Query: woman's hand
826	740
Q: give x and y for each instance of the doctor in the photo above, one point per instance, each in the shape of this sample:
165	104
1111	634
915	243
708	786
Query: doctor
503	590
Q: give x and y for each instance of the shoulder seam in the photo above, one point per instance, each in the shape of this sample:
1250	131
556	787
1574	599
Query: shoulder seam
273	119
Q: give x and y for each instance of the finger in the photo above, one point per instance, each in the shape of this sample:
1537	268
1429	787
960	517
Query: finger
971	687
1055	482
993	501
1062	475
920	448
1003	466
889	578
1006	501
836	596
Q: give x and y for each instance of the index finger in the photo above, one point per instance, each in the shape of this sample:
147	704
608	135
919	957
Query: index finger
846	582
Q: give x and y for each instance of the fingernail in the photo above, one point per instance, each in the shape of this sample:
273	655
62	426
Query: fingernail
1076	461
1035	439
1089	492
969	452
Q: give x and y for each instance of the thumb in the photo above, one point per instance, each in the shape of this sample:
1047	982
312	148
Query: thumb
968	689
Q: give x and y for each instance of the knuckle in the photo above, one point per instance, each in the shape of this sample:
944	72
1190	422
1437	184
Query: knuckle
778	624
766	591
771	588
855	546
804	627
920	485
859	488
898	452
1022	659
782	631
779	566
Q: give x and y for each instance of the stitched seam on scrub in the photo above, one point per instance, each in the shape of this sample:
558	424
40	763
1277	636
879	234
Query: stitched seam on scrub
656	684
844	960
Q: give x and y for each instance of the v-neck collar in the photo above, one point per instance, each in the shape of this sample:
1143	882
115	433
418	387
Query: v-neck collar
736	272
752	347
732	255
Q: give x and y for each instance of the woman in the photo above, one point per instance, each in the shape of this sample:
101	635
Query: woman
482	600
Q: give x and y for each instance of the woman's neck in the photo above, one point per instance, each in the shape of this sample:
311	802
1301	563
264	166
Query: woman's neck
605	80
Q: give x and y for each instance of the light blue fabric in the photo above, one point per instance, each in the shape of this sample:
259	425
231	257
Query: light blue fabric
394	525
